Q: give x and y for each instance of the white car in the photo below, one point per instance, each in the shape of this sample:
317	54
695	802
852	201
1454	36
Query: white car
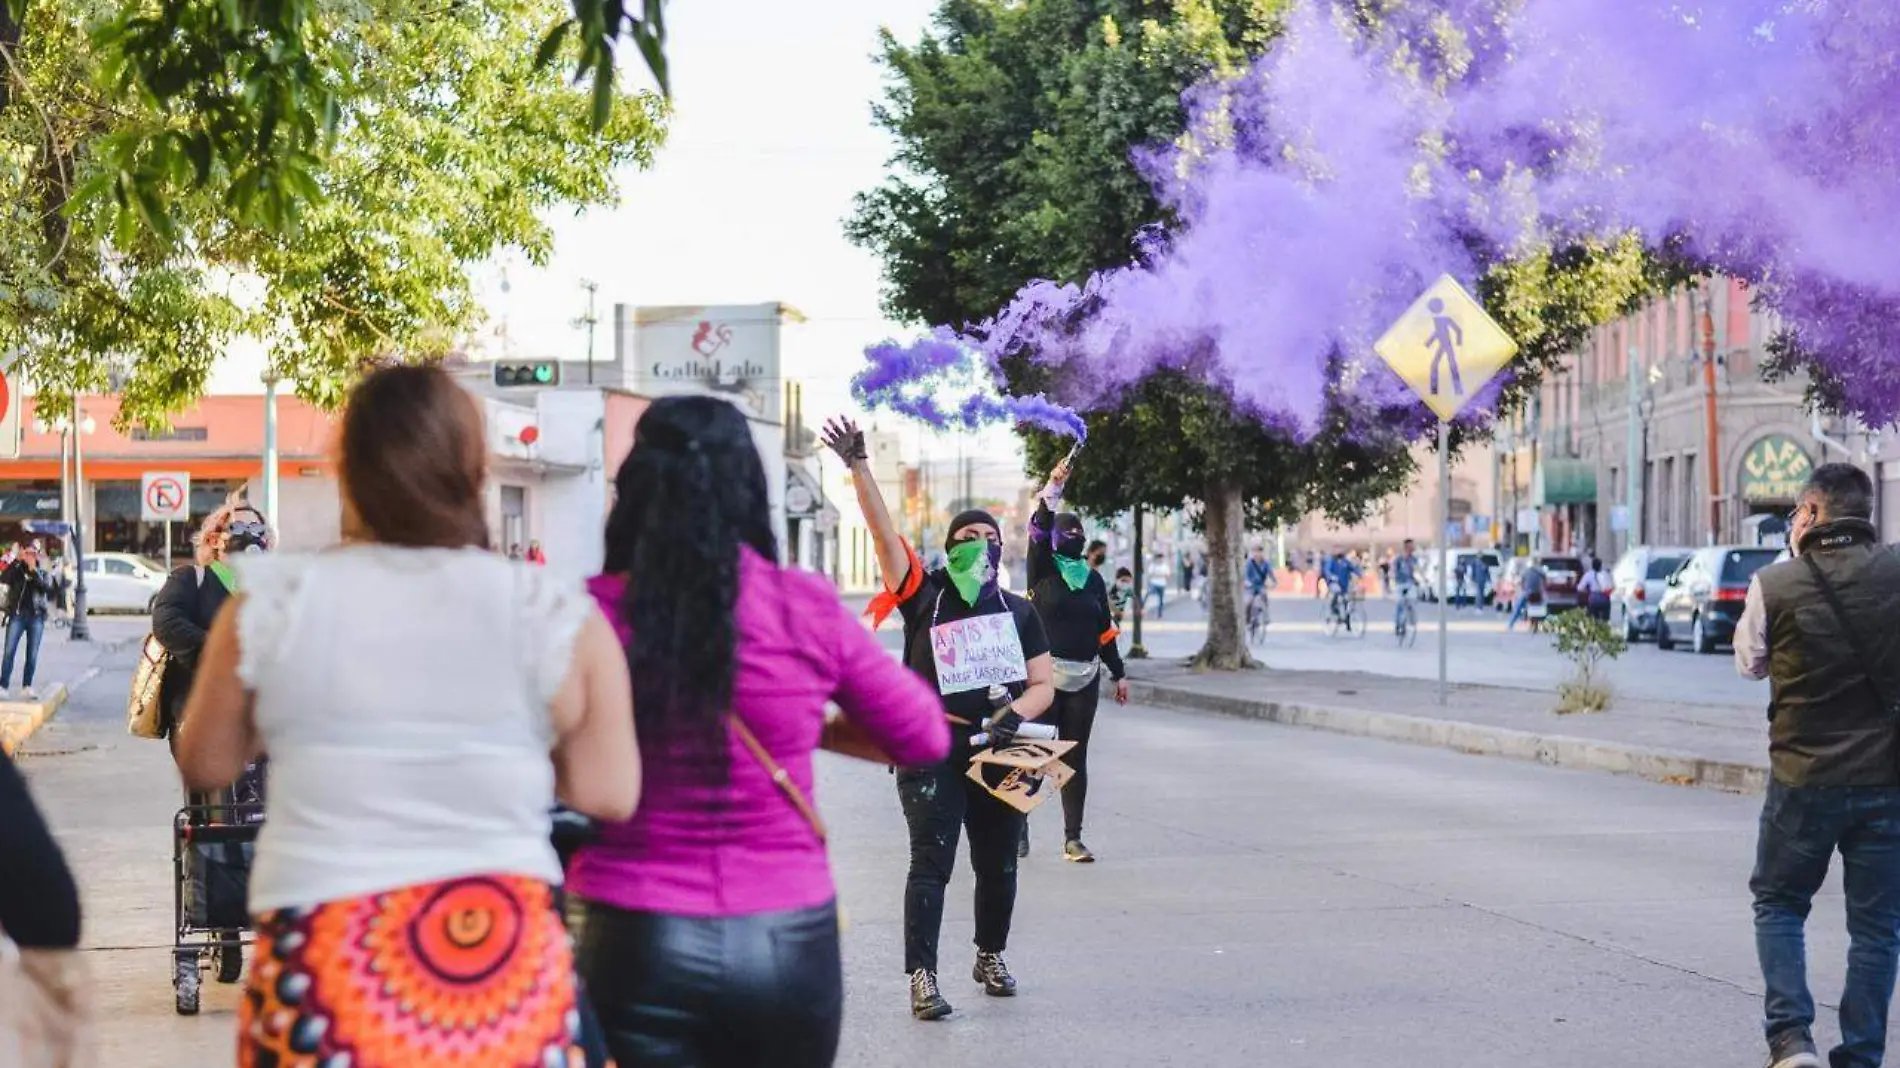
122	582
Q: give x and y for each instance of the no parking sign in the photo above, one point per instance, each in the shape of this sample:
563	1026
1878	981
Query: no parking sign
165	497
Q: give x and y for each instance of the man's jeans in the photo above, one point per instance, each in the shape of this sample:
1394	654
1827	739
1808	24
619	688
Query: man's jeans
32	628
1518	611
1801	828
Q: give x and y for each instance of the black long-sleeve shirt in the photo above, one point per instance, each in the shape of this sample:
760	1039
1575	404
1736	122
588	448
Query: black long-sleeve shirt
39	902
1080	624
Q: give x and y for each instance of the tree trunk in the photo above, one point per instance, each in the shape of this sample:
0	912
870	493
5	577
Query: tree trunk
1223	512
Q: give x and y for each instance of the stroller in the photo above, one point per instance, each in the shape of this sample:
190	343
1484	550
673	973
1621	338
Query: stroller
213	839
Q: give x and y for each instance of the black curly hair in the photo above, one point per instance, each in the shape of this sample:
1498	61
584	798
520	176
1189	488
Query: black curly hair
690	493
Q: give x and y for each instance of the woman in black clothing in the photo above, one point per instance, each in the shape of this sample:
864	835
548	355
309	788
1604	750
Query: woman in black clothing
958	607
1072	600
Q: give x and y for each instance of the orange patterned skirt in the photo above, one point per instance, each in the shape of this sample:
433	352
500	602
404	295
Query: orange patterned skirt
464	973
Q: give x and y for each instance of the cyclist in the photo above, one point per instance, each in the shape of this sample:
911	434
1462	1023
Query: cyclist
1404	579
1340	574
1259	578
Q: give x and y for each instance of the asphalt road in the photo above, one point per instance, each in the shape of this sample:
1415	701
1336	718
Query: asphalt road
1266	895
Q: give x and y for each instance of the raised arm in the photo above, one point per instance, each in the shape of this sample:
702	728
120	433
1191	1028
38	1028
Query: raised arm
1042	526
843	437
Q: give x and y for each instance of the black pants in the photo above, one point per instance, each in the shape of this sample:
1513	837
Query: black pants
939	801
764	991
1075	718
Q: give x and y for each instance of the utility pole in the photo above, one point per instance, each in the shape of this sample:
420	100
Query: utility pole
1714	448
1136	650
590	320
1635	464
270	455
80	631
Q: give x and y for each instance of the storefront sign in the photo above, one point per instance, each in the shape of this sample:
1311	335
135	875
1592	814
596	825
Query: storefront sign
727	349
1774	469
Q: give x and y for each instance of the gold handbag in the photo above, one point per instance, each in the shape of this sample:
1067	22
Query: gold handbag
144	707
45	1008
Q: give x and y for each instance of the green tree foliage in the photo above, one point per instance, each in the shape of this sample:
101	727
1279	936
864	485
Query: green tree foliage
156	210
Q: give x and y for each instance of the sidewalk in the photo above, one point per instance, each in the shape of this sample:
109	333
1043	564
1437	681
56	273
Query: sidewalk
1723	746
64	665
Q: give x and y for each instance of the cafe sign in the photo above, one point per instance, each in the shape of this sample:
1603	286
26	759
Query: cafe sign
1774	469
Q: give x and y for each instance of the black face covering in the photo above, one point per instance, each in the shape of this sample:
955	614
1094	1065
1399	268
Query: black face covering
1069	539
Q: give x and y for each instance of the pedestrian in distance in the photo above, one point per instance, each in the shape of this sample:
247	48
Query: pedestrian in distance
1121	595
1595	589
31	592
1530	596
1097	554
1158	575
1072	601
960	606
695	918
423	702
535	555
1824	629
1480	581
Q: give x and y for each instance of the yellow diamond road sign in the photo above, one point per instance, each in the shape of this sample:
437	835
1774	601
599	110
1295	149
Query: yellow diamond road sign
1446	347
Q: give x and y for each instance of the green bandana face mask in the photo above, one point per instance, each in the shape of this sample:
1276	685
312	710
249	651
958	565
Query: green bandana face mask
1074	570
973	566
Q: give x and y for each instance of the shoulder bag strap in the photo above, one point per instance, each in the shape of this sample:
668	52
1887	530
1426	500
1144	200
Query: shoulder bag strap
780	777
1853	636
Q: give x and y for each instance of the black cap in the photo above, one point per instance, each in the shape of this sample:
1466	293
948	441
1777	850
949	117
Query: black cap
969	518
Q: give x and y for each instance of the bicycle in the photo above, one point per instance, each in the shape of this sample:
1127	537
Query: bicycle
1257	618
1405	627
1345	610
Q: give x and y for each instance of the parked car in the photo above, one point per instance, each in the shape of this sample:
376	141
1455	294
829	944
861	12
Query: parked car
1561	575
1435	586
1641	577
122	582
1703	598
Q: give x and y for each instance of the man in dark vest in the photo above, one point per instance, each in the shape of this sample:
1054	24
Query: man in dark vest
1824	628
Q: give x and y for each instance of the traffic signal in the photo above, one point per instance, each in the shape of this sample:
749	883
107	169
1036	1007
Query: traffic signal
538	373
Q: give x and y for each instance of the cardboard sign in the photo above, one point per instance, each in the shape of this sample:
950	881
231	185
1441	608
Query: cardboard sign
1023	775
978	652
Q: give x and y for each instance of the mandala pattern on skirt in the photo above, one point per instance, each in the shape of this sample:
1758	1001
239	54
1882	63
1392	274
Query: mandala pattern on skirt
464	973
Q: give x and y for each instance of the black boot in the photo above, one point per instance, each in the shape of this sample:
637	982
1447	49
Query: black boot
926	1001
994	975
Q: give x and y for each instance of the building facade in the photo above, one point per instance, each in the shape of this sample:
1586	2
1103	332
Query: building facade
1661	429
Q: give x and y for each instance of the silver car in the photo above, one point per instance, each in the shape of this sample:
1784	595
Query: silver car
122	582
1641	576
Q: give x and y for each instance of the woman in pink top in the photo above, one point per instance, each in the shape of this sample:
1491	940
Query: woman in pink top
706	925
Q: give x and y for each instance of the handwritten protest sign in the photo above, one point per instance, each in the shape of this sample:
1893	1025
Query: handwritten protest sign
975	653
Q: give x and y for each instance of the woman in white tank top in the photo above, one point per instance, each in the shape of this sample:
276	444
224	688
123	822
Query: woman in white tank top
423	702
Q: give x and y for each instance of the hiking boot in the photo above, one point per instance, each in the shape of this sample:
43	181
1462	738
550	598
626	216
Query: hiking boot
926	1001
1074	851
994	975
1792	1049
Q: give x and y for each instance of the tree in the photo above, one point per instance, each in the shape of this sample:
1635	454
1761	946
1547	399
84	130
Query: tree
448	145
1017	126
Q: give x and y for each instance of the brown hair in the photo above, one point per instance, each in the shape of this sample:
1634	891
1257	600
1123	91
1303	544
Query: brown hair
414	457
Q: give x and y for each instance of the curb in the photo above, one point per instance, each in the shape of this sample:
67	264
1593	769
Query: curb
19	720
1556	750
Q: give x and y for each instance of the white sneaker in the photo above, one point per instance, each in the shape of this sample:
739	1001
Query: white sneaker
29	693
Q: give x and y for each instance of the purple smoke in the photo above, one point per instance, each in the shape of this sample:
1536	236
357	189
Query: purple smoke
910	379
1321	191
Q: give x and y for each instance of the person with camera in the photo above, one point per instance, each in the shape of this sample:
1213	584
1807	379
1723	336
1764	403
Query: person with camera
960	606
30	592
1824	628
185	608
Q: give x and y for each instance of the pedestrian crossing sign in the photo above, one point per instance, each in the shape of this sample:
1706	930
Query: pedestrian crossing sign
1445	347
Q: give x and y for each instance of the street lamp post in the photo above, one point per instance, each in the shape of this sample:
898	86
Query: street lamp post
82	425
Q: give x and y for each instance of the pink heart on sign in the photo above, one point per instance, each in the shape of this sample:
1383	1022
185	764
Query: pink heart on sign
947	652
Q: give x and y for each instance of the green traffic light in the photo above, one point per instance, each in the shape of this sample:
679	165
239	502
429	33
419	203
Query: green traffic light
543	373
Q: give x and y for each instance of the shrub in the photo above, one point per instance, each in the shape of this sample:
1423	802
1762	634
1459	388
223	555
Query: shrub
1589	643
